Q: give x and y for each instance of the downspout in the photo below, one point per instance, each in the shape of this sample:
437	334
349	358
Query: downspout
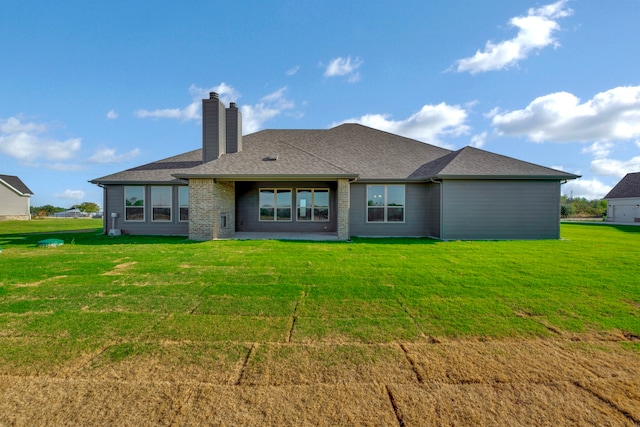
104	209
441	207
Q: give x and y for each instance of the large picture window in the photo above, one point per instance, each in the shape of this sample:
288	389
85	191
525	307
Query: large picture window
385	203
161	203
312	205
183	203
134	203
275	204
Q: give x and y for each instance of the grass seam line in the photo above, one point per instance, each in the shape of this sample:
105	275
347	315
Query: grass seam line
414	368
396	410
245	363
608	402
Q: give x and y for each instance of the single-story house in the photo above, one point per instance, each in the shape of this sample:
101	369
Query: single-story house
350	180
71	213
15	198
623	201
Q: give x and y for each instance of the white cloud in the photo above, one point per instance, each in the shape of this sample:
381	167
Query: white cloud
598	149
269	106
428	124
560	117
108	155
112	115
192	111
344	67
293	71
479	140
590	189
27	142
535	32
617	168
253	116
70	194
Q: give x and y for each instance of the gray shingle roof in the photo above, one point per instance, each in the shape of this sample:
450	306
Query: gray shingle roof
349	150
629	186
469	162
17	184
157	172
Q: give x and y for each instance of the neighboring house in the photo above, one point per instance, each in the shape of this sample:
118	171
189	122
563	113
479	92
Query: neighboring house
350	180
15	198
71	213
623	201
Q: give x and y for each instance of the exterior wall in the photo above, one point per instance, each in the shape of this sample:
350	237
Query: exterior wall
625	210
211	209
500	209
433	210
416	213
247	208
344	196
114	203
12	205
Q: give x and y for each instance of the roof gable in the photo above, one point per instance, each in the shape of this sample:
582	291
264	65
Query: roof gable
629	186
15	184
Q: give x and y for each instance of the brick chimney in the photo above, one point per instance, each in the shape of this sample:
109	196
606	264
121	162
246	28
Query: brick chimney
234	129
221	128
213	128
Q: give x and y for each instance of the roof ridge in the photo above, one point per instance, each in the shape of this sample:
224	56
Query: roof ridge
314	155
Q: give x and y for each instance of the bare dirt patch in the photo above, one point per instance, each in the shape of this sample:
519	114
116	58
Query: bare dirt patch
119	268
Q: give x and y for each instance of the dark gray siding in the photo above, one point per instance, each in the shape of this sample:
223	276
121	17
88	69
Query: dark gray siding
501	209
416	213
114	202
433	210
247	213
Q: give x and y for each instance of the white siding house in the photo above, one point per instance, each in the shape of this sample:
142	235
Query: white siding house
15	198
623	201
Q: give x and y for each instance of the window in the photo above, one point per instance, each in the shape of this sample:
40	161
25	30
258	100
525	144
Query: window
134	203
183	203
161	203
313	205
385	203
275	205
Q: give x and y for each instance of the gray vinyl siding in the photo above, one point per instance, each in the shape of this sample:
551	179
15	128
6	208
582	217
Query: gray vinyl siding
416	213
13	203
114	202
433	210
247	208
501	209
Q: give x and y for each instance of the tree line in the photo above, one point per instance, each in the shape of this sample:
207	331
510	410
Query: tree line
49	210
579	207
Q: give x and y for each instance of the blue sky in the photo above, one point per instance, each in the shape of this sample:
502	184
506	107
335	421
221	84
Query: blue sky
92	88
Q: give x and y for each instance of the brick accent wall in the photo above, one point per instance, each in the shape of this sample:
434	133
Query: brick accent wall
208	201
344	197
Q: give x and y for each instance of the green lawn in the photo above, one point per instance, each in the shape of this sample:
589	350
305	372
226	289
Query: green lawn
96	289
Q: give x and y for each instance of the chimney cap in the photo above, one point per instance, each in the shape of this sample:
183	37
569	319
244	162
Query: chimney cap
213	95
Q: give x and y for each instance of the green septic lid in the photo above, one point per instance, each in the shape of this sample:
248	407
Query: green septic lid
50	243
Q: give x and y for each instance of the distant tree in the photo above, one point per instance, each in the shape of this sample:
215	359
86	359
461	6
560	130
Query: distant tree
88	207
581	207
46	210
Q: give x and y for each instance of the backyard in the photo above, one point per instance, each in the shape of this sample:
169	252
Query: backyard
143	330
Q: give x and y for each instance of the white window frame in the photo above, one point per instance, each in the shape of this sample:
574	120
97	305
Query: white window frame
313	204
385	206
275	205
144	191
181	204
169	206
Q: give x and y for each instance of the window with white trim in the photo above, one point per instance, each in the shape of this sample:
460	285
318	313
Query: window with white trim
385	203
312	204
275	204
183	203
161	203
134	203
